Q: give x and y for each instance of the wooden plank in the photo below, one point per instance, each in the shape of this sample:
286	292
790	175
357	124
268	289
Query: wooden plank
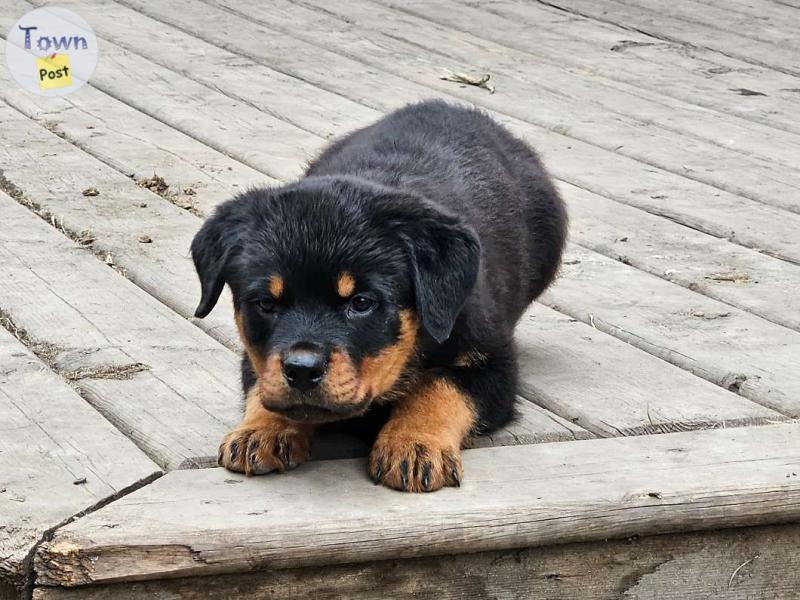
137	145
262	140
773	24
778	15
697	205
58	456
723	150
115	219
667	27
737	350
610	388
163	382
697	261
694	566
287	98
533	425
609	101
694	75
211	522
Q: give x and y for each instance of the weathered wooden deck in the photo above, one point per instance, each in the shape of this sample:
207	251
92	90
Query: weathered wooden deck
672	130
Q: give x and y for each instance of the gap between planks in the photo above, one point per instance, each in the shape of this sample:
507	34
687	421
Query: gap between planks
693	75
666	27
59	458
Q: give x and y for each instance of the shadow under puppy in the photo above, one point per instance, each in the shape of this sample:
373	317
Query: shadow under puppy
391	274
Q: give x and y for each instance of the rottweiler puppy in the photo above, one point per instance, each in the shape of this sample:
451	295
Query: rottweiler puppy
390	276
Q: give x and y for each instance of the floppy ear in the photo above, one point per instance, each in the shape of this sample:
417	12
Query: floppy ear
445	257
211	249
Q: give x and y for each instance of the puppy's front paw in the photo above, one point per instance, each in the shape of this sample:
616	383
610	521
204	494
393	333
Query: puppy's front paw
274	445
414	462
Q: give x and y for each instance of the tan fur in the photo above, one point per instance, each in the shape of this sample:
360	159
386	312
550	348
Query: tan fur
345	285
380	372
276	286
265	441
272	385
255	358
473	358
419	448
341	380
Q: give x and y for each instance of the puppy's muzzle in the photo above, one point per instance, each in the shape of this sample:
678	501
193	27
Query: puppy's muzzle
304	367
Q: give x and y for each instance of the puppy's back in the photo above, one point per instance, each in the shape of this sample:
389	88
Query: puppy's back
462	160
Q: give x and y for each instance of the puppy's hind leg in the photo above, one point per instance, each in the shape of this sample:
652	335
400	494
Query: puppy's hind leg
419	448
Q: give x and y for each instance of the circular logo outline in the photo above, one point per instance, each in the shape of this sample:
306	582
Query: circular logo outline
51	51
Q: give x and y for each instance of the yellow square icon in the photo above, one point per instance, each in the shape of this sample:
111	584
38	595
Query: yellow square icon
54	71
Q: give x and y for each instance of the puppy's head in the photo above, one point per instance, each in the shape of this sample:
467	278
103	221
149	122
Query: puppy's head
334	280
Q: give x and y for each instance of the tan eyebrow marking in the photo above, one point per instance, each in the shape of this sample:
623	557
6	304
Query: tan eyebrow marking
345	285
276	285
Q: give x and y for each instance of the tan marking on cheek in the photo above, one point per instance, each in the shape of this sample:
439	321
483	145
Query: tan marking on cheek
271	383
341	380
255	358
380	372
345	285
276	286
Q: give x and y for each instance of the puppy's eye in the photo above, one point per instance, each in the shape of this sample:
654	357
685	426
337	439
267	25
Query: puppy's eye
360	304
266	305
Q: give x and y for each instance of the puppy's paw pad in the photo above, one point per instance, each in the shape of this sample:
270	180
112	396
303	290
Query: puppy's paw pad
416	464
260	451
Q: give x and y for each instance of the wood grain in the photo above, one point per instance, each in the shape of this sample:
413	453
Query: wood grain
661	24
207	115
212	522
598	223
696	75
723	150
197	177
533	425
717	342
772	24
766	287
160	380
610	388
695	566
58	456
397	81
114	219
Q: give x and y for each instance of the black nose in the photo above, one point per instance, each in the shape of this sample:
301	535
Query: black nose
304	368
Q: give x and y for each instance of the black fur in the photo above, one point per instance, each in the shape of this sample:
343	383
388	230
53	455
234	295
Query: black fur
435	208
